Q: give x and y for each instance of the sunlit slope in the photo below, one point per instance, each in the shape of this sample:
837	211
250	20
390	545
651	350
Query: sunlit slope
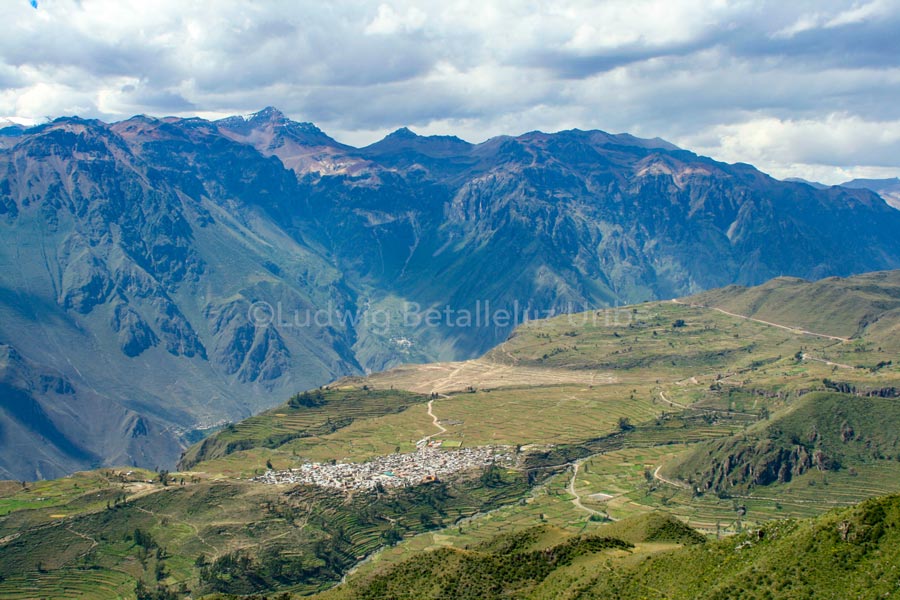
864	305
849	553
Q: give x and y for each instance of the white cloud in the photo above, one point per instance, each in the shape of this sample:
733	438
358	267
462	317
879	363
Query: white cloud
856	14
860	13
388	21
826	148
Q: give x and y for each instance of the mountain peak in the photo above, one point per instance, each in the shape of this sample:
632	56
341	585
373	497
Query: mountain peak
430	145
267	116
269	113
404	133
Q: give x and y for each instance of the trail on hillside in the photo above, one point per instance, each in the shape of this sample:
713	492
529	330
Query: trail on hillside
84	536
678	484
785	327
827	362
672	402
435	422
576	499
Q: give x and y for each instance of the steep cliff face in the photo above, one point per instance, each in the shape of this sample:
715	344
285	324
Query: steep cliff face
556	222
193	272
51	425
133	256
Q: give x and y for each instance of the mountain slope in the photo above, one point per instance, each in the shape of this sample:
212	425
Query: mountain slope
193	272
843	554
131	269
865	305
577	219
823	432
889	189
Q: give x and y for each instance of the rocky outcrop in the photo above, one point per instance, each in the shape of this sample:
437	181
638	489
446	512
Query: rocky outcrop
134	334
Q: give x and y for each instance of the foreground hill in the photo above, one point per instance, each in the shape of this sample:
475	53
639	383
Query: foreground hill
168	275
849	553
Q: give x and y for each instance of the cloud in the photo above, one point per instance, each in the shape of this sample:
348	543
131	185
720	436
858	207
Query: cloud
810	84
389	22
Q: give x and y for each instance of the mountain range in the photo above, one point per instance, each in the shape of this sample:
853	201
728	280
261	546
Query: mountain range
161	277
888	188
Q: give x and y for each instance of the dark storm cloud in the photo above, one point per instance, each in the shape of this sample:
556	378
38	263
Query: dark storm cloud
733	79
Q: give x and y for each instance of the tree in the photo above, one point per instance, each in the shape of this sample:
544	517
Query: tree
625	424
143	539
313	399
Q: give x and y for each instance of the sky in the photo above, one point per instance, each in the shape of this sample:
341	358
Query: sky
802	88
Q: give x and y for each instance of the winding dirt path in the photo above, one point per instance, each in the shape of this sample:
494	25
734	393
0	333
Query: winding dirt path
827	362
435	422
678	484
84	536
785	327
672	402
576	499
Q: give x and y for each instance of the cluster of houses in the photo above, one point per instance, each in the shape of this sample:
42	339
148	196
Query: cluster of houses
428	464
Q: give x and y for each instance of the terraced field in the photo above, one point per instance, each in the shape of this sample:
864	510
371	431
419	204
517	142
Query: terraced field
83	584
316	413
622	396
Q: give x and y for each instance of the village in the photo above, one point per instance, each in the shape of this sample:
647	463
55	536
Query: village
428	464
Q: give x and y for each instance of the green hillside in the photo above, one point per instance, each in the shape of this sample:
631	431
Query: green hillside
848	553
630	433
504	568
863	305
826	432
304	415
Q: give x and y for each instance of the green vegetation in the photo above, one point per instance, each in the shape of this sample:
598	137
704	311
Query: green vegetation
850	553
847	553
826	432
308	414
639	433
504	568
237	537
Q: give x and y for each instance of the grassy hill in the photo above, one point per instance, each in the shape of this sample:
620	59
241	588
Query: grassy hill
616	417
863	305
506	567
304	415
847	553
823	431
